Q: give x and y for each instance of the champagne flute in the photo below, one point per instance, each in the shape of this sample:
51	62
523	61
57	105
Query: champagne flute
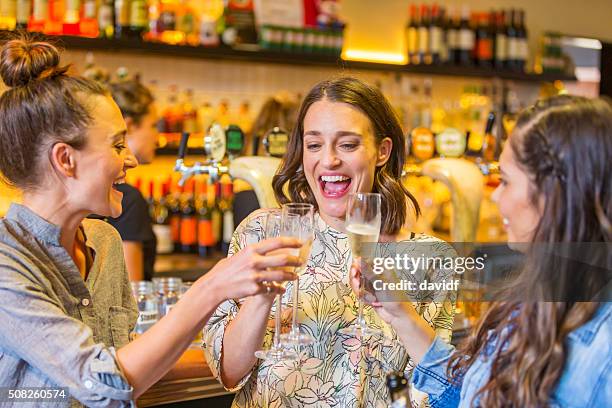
278	351
363	219
298	222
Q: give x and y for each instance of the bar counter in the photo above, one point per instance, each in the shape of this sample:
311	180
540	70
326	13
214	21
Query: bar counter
189	380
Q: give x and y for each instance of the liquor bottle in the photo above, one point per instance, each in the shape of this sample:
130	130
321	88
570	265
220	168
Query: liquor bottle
161	220
168	21
489	147
513	41
8	14
190	115
122	18
187	24
435	36
205	227
215	214
453	36
466	39
154	12
227	206
189	226
444	26
412	36
89	22
174	207
55	18
106	19
399	390
424	52
72	18
23	13
501	41
522	46
484	42
139	18
40	10
173	113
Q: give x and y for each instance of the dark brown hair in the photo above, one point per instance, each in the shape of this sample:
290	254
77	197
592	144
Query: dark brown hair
44	105
133	98
564	145
276	111
387	178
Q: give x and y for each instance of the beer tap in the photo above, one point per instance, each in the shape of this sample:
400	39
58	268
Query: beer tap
215	148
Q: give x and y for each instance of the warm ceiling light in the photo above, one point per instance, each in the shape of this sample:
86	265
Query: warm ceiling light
375	56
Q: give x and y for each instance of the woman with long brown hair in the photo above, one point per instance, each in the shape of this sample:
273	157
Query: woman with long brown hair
347	139
66	308
548	342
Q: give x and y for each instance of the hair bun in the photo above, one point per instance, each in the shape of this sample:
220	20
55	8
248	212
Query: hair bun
23	60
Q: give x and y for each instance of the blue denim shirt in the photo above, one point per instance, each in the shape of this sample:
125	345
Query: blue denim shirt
586	380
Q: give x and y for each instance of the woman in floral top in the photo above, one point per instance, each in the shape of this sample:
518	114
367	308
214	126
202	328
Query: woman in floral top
347	139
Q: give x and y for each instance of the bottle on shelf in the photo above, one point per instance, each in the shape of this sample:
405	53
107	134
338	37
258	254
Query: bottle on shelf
106	19
72	18
522	46
187	24
54	17
150	198
215	214
23	14
153	15
412	36
435	36
466	39
190	115
445	56
174	207
168	20
173	113
513	41
189	226
89	21
424	51
501	40
205	227
161	220
8	14
122	18
227	207
484	42
489	148
139	18
453	29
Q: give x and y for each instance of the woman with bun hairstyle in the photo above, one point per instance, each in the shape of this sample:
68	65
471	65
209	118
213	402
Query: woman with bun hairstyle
66	308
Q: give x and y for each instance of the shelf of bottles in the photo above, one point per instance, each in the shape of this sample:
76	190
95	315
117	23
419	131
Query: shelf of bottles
439	43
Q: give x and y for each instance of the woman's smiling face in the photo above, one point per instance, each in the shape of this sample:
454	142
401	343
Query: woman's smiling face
340	155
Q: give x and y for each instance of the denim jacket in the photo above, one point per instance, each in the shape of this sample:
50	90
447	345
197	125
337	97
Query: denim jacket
586	380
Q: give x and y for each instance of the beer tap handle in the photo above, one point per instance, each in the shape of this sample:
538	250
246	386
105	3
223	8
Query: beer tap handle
183	145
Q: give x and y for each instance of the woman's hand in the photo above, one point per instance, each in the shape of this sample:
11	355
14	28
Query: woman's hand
252	270
414	332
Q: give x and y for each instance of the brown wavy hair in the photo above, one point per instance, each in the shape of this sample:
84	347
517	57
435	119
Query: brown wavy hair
42	106
564	144
133	98
387	178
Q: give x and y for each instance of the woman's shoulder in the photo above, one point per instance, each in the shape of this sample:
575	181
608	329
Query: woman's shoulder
101	234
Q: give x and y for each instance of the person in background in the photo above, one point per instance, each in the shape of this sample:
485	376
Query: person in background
134	224
549	341
347	139
277	111
66	306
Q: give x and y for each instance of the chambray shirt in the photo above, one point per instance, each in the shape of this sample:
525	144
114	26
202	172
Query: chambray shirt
56	329
586	380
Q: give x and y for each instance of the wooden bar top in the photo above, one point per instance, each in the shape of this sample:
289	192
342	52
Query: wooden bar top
190	379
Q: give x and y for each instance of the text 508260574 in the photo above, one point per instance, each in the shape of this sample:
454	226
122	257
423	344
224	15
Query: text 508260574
33	394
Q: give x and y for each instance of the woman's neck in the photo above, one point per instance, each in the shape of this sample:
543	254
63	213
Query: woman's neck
56	210
334	222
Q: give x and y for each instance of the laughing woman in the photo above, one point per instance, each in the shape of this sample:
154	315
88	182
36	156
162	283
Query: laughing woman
66	308
347	139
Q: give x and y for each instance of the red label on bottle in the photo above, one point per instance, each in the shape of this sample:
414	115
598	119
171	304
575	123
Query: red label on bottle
175	227
485	49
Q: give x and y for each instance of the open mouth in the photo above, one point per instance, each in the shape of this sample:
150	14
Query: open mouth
334	186
120	180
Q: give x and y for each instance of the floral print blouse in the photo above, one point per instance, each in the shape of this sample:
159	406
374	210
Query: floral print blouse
338	370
